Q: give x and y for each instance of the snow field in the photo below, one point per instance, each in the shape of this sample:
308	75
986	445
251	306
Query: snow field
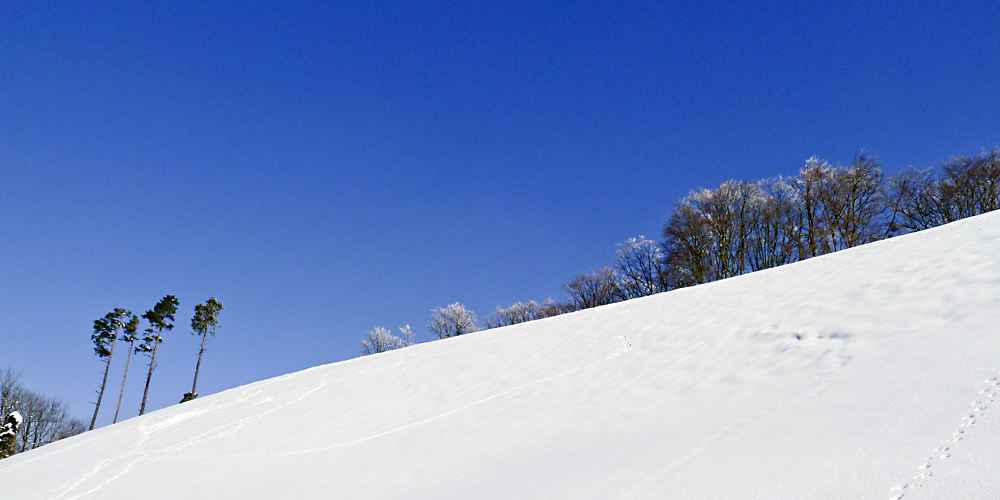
869	373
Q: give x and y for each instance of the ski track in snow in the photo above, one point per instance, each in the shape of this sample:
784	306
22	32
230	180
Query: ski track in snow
398	367
943	452
136	450
146	428
626	345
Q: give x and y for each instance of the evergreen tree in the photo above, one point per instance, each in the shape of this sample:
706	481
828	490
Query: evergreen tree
105	334
159	318
205	322
8	433
129	335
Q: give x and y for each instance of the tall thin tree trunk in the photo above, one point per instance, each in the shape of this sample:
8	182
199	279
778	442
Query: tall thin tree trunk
198	365
122	391
152	359
100	395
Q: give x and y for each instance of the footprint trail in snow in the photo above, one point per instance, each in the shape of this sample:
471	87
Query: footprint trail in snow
944	451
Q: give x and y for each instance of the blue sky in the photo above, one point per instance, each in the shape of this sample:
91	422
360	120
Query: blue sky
324	169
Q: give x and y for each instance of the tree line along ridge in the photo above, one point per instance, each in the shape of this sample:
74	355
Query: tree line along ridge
746	226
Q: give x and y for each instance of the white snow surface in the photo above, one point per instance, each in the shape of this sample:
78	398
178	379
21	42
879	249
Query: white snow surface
869	373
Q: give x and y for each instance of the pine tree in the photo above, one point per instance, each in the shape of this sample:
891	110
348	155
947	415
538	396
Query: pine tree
129	336
105	334
205	322
159	318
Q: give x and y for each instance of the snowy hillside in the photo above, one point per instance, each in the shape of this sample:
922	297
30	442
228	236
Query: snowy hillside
869	373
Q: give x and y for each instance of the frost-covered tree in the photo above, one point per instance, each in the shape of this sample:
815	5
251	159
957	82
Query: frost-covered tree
379	340
970	186
129	334
452	321
640	268
549	308
709	234
856	211
743	227
774	235
204	323
518	312
105	334
8	433
965	186
160	318
521	312
812	218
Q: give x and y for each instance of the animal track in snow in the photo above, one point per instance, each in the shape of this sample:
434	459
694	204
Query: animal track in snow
625	342
943	452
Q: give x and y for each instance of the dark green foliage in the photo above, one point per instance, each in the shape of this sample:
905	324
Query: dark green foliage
131	328
8	433
105	333
204	322
160	318
206	317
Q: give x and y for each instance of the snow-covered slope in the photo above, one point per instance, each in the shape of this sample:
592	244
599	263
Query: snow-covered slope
870	373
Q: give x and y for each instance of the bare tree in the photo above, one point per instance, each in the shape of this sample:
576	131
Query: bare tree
10	390
709	235
452	321
549	308
592	290
915	199
970	185
43	420
748	226
11	394
774	236
518	312
812	219
855	210
687	245
521	312
640	264
379	340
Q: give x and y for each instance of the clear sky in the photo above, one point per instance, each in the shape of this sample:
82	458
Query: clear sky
324	168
